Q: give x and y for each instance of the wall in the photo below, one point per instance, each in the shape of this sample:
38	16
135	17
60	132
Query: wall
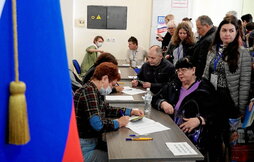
248	7
163	8
116	41
139	21
215	9
67	16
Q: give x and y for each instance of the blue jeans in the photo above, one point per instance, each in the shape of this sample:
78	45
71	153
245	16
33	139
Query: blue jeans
90	153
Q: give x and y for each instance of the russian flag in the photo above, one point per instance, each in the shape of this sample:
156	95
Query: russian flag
43	67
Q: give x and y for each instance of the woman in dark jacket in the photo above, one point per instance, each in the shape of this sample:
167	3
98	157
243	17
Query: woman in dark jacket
180	43
193	105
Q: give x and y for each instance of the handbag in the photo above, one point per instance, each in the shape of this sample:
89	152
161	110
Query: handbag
190	110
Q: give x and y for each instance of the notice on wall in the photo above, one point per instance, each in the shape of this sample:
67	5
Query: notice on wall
179	3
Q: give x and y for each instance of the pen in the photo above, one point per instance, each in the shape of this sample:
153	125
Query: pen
139	139
121	112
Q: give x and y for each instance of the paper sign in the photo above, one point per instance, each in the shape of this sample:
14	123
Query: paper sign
180	148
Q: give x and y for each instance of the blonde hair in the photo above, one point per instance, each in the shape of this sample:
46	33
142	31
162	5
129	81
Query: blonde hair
169	17
172	23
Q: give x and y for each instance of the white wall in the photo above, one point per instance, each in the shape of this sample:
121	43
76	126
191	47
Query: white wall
163	8
138	25
139	21
215	9
248	7
67	16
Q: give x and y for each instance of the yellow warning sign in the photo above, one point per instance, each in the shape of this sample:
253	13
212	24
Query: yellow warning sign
98	17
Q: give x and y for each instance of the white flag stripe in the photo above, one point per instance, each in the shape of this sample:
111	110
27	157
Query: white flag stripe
1	7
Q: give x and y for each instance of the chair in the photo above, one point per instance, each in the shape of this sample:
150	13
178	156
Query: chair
76	66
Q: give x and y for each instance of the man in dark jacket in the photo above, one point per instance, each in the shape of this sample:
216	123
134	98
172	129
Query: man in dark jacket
199	51
155	72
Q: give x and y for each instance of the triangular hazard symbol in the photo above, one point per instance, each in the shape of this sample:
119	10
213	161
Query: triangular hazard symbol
98	17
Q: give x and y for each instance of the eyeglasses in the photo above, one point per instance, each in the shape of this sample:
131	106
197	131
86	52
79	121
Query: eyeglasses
181	70
170	28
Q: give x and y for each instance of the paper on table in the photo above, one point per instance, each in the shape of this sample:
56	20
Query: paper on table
119	98
132	91
125	64
146	126
133	77
181	148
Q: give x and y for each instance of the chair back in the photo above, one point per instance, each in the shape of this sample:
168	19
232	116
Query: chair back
76	66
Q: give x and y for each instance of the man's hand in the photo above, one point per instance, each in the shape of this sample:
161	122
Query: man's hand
168	108
146	85
134	83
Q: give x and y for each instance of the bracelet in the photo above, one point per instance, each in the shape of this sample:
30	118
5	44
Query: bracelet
200	120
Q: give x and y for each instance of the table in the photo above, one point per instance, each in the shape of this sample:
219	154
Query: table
155	150
138	100
123	63
125	72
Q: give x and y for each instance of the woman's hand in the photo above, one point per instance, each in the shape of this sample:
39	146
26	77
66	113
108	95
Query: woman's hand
119	88
137	112
123	121
189	124
168	108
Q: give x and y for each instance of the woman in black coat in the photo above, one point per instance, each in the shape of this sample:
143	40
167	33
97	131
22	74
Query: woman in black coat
192	104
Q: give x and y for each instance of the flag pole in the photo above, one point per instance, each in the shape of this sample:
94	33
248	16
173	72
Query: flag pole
18	119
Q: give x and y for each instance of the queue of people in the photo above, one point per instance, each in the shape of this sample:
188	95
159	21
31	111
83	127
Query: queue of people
202	83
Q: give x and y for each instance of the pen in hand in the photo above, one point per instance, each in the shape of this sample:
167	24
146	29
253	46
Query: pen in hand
121	112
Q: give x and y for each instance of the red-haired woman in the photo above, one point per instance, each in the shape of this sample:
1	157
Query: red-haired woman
94	115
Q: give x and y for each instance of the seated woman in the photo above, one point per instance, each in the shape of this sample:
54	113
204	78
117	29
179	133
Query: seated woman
94	115
192	104
104	57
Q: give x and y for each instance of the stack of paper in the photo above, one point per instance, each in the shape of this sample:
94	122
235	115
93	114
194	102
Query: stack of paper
132	91
119	98
146	126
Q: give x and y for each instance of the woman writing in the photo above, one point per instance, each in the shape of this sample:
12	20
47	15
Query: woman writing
94	115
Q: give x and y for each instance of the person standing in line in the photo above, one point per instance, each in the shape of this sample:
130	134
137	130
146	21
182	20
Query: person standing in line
166	39
228	68
180	43
199	51
91	54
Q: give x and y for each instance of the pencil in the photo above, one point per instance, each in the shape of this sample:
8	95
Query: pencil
139	139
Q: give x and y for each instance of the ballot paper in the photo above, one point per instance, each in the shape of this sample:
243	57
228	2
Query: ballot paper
146	126
132	91
119	98
132	77
125	64
181	148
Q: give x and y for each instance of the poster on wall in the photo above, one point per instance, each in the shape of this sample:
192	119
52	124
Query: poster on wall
179	3
161	25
